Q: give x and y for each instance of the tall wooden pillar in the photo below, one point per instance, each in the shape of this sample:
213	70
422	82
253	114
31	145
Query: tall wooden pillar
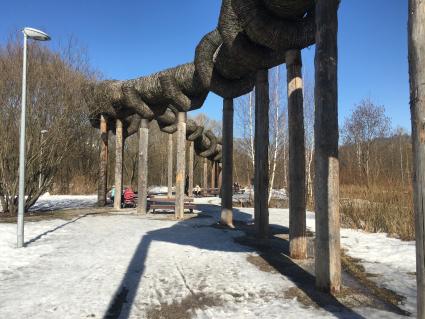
213	177
181	164
417	108
261	145
297	200
170	166
119	149
328	258
190	169
205	180
219	177
103	163
227	164
143	167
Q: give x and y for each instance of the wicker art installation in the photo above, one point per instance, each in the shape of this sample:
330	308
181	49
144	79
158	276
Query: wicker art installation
251	35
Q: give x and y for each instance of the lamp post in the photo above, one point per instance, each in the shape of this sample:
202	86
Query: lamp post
29	33
41	157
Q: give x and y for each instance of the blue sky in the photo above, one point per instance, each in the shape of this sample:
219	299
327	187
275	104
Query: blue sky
129	38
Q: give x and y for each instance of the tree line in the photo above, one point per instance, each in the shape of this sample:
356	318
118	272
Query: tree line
59	143
372	152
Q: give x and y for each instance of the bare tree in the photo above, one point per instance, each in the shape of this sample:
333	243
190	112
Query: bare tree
309	132
55	80
367	123
277	127
400	133
245	123
278	139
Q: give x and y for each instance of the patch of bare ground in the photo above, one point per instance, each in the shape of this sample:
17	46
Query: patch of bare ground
69	214
260	263
358	290
184	309
65	214
355	269
361	294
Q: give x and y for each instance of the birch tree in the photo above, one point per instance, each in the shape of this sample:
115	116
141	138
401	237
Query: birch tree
309	132
277	127
277	132
367	123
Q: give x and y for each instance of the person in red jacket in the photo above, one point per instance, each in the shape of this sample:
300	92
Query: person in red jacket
129	197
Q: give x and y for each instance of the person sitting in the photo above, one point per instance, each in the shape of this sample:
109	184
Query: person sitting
197	190
129	197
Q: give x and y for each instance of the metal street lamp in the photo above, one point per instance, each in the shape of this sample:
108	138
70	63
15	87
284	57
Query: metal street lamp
41	156
29	33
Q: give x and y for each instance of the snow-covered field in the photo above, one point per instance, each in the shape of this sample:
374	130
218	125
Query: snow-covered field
134	265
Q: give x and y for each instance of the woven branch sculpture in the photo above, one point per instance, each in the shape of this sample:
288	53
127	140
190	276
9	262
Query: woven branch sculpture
251	35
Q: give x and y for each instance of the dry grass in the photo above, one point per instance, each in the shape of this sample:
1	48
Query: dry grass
378	209
184	309
78	185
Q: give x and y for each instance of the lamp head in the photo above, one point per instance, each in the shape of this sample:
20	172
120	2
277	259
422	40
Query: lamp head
36	34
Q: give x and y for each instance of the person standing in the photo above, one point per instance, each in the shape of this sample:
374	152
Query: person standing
112	194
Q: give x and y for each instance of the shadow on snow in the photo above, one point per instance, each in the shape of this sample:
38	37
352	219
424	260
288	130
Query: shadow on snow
182	233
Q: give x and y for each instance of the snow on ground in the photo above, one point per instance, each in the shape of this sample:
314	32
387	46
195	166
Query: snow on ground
73	269
248	195
391	259
49	202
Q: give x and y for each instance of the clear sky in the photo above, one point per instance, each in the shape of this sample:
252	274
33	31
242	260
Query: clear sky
131	38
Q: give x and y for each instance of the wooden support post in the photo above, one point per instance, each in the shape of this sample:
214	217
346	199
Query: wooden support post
219	177
261	148
417	107
227	164
326	183
190	169
181	164
119	149
103	163
213	171
205	185
170	166
143	167
297	200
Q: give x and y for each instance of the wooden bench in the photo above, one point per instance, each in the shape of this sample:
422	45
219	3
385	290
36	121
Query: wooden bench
168	199
211	192
164	203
